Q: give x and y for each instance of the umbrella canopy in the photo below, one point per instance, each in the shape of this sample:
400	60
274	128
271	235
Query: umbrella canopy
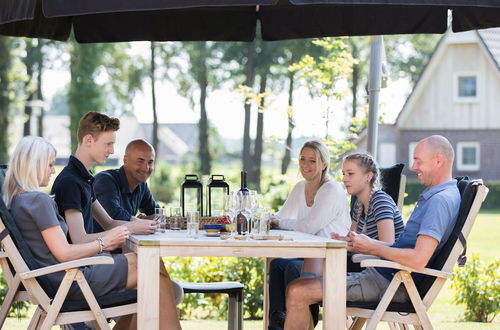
235	20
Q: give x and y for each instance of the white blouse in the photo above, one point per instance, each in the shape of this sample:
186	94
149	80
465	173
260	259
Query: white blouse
328	214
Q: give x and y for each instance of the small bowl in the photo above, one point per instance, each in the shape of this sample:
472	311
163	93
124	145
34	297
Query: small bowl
214	226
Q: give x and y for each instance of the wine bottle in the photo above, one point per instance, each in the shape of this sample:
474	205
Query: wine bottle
244	189
242	220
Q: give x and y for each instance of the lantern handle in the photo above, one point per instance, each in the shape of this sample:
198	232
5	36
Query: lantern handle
221	177
191	177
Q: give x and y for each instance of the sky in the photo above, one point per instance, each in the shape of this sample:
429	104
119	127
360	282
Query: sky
225	107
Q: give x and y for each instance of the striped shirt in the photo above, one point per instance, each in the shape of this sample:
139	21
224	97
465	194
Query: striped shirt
382	207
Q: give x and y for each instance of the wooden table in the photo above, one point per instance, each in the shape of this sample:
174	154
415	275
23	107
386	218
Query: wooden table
149	248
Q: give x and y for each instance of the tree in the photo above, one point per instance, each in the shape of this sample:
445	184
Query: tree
5	66
34	64
84	93
407	55
323	74
294	50
204	59
152	74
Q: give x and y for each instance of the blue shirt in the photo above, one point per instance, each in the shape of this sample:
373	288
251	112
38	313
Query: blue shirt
434	215
113	192
73	191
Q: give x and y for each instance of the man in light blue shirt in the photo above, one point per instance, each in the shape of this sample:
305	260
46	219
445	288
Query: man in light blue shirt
426	231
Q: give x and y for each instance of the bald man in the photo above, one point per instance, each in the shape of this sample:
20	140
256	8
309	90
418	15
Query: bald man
124	192
426	231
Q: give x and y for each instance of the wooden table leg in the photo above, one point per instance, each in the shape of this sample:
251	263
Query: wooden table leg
266	293
334	289
148	293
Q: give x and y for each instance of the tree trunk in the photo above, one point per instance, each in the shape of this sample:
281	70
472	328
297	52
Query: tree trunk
250	77
259	136
291	125
153	99
5	62
204	152
39	91
355	79
84	94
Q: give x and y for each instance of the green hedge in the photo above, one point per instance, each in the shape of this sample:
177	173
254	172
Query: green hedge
248	271
414	189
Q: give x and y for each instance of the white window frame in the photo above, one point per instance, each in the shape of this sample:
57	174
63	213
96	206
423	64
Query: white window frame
468	167
411	149
387	154
465	99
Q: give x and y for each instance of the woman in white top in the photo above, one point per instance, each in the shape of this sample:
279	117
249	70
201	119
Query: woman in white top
316	206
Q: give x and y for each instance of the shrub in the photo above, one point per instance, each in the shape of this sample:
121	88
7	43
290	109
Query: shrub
478	287
248	271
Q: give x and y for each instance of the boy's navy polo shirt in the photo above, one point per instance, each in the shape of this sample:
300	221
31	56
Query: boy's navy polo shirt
113	193
73	190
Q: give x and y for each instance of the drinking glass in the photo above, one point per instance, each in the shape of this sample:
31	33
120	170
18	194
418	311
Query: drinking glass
175	218
161	219
265	222
193	223
231	209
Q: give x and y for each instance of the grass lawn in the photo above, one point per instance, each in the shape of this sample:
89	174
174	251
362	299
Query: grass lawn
444	314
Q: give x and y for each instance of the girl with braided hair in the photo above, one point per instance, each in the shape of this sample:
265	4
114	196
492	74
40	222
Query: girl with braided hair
374	213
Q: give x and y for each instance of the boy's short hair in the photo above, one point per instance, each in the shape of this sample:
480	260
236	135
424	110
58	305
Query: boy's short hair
95	123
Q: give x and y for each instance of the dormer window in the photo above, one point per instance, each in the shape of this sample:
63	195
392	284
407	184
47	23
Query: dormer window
466	87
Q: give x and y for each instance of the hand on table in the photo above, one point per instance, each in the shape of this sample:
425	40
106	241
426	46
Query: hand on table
345	239
142	227
114	238
361	243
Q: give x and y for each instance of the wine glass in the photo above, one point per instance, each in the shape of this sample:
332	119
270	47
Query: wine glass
232	208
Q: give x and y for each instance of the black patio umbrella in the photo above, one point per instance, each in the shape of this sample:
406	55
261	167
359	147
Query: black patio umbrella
235	20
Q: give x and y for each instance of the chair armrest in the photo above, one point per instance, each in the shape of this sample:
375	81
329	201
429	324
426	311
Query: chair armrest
67	265
358	257
395	265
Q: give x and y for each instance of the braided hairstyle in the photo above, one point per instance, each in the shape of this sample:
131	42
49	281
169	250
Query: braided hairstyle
366	163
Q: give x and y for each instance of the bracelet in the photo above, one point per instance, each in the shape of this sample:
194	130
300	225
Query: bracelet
101	244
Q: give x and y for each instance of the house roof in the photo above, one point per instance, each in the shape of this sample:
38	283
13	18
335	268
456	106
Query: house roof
491	41
488	38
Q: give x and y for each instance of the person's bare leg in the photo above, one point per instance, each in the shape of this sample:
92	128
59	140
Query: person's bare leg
126	322
168	312
301	293
129	322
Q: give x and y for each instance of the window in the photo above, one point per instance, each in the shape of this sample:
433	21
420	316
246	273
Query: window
411	149
466	87
468	156
387	154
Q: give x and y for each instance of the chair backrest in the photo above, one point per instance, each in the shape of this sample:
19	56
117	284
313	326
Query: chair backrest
392	182
20	255
472	195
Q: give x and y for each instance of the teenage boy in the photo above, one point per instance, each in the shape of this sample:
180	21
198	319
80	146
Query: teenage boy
73	189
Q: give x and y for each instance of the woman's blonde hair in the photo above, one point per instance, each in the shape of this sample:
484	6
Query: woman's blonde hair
27	166
322	154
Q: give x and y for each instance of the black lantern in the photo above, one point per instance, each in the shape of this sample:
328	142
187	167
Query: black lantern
191	194
218	189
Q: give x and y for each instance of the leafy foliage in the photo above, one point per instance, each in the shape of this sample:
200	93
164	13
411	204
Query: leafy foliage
248	271
478	287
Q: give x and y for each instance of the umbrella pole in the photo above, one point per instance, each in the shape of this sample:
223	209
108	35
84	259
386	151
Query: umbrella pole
374	84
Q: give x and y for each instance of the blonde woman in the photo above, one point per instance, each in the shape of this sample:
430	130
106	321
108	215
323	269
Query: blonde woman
45	232
316	205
